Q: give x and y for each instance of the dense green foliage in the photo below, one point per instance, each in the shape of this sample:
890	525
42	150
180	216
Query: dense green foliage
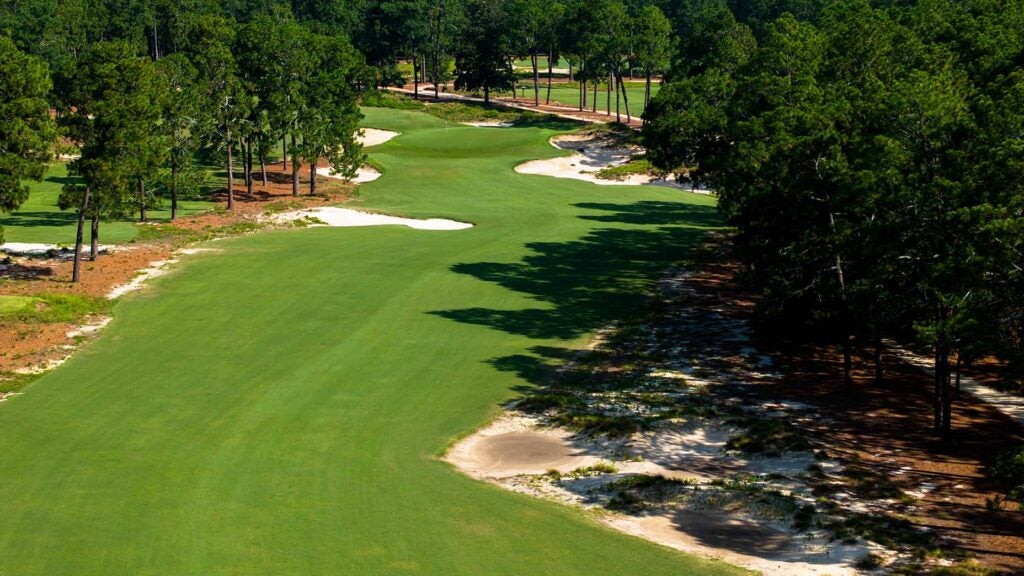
872	161
26	130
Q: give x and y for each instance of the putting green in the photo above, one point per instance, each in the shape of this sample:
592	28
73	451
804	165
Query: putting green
278	407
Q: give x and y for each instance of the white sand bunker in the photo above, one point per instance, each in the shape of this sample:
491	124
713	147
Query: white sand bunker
593	153
490	124
739	541
345	217
519	451
363	175
512	446
39	250
367	137
373	137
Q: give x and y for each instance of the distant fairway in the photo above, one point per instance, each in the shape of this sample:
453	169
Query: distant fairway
277	408
571	96
40	220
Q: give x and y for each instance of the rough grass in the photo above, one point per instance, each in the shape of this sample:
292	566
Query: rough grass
11	304
277	407
47	308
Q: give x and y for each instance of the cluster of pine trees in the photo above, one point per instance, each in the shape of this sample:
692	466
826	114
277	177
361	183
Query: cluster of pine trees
145	89
871	157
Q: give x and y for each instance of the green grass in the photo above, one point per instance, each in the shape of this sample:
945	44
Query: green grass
40	220
47	308
542	63
570	96
12	304
278	407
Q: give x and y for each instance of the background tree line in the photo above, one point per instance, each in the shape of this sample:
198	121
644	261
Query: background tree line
871	158
144	88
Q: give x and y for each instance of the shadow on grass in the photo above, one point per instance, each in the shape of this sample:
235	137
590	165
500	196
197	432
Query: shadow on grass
585	284
38	219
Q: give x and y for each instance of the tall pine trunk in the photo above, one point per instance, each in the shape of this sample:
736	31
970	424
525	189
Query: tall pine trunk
848	363
945	392
959	365
249	177
284	153
75	270
174	187
647	89
142	200
608	96
879	367
295	168
263	166
94	234
594	103
536	80
416	77
551	55
625	98
231	173
618	86
312	178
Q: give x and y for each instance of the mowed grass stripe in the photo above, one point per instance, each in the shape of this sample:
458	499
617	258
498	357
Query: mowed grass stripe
277	408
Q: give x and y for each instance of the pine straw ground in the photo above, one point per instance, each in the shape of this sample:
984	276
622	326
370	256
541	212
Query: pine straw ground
883	436
28	343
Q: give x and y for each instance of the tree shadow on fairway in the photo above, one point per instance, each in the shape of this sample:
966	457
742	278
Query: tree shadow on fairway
38	219
583	285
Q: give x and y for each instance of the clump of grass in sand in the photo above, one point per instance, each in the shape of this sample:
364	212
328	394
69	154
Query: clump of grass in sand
52	308
870	561
13	382
635	167
767	436
595	470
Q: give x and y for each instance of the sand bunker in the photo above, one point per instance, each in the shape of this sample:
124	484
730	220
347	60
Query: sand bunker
741	542
514	445
373	136
489	124
593	154
345	217
519	452
368	137
38	250
365	174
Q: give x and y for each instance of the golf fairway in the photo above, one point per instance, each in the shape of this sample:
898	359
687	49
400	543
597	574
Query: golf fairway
279	406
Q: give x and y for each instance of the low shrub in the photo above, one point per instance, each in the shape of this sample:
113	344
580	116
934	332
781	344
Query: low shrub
1007	468
767	436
